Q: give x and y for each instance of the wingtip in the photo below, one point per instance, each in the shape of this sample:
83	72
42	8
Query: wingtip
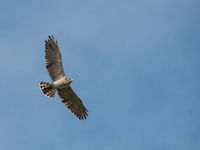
50	36
46	42
52	39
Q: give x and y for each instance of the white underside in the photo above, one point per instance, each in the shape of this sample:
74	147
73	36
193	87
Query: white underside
61	83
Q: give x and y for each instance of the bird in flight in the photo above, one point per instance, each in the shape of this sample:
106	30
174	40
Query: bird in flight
60	82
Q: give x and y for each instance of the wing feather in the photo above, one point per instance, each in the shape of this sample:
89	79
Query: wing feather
53	59
73	102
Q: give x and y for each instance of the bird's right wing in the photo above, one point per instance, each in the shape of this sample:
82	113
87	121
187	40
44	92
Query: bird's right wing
73	102
53	59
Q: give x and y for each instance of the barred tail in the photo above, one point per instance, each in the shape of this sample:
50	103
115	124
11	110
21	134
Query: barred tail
47	89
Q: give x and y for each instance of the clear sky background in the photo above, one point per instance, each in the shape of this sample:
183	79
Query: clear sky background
135	65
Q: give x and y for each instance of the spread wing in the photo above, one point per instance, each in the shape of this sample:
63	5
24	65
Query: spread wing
73	102
53	59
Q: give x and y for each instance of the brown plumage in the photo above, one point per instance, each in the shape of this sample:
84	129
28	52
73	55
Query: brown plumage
60	82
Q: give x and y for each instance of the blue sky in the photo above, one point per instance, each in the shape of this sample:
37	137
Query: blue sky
135	65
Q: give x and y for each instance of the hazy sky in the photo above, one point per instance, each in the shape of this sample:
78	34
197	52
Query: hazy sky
135	65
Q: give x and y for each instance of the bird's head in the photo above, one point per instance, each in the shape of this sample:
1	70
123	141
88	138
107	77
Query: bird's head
68	81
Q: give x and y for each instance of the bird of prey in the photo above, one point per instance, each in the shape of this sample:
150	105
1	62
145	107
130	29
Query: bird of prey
59	81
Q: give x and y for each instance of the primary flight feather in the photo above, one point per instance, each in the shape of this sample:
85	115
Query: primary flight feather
60	82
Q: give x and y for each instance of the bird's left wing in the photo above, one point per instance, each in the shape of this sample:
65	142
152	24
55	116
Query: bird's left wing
53	59
73	102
